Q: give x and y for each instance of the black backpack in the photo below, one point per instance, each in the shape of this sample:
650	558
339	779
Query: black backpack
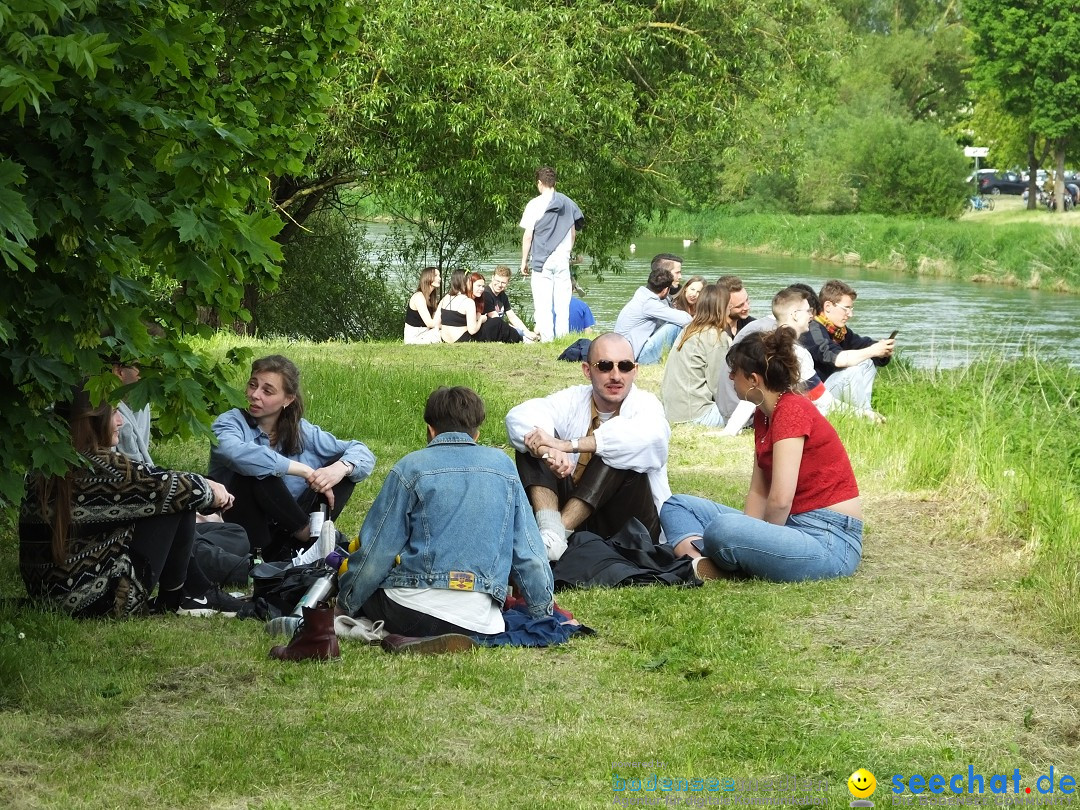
283	587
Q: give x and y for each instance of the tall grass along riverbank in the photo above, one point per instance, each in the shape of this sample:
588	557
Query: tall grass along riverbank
953	645
1009	247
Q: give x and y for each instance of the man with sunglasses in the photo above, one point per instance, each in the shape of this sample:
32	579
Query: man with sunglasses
847	362
647	321
593	456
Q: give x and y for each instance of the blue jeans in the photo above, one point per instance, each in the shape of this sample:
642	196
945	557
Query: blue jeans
711	418
854	384
662	338
820	544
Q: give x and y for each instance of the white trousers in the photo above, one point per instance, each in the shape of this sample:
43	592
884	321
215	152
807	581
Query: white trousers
421	334
551	292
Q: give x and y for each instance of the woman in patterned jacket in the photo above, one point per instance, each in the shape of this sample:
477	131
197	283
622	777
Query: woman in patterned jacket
96	541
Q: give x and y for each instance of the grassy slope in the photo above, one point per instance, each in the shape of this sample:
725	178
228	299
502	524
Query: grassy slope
941	651
1009	245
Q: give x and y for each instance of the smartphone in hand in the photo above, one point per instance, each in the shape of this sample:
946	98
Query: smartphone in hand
893	335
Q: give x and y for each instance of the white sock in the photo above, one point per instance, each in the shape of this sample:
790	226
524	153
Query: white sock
553	532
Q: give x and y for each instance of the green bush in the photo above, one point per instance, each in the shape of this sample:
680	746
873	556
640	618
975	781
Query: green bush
334	287
907	168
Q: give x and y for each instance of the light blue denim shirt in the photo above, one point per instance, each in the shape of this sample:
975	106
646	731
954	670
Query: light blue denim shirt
452	515
243	449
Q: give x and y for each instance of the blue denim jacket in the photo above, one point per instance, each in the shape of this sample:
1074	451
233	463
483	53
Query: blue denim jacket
452	515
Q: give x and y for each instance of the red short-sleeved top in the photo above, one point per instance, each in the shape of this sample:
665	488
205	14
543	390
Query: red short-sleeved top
825	475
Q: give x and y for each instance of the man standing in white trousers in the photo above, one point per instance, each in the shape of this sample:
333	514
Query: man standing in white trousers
550	224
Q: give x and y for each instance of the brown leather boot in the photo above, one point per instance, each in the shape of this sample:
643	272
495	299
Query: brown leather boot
314	639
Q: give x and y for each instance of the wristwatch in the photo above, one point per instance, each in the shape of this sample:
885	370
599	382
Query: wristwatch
573	446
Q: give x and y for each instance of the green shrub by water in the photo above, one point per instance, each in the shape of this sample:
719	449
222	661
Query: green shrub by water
1018	253
334	285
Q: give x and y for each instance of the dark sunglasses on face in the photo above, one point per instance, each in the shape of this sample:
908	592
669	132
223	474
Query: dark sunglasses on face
625	366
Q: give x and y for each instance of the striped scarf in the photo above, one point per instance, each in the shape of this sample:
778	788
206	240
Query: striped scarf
838	333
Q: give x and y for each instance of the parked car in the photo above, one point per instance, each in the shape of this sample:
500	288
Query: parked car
992	181
1040	177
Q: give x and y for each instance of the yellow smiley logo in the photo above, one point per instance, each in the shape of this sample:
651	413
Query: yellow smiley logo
862	784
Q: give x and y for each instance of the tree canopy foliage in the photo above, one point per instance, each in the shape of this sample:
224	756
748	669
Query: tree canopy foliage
446	110
137	143
1027	55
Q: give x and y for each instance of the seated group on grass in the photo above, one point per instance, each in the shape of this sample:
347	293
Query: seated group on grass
802	518
591	457
472	311
99	539
838	367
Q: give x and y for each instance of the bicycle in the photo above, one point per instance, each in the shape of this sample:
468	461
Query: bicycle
1051	203
980	203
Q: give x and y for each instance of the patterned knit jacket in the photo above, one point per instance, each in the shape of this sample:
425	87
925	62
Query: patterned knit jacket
100	576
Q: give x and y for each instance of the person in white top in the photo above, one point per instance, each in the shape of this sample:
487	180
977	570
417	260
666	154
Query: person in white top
550	223
593	456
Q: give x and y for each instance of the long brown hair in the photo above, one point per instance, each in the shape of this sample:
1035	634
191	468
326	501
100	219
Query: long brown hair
680	301
428	285
473	278
287	429
457	284
91	429
711	313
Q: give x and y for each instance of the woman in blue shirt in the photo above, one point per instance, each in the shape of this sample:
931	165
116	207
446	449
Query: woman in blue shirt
280	467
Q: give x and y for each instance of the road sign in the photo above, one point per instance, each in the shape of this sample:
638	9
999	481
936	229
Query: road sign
976	151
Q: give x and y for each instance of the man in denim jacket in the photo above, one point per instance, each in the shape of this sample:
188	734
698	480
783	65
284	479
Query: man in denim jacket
446	532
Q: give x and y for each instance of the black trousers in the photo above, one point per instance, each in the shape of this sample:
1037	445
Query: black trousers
271	515
405	621
165	544
614	495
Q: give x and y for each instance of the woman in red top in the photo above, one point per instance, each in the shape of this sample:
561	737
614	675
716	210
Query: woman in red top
803	516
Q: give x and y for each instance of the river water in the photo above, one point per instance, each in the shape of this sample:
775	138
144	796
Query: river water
942	323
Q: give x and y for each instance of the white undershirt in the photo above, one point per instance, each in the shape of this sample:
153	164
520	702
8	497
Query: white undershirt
469	609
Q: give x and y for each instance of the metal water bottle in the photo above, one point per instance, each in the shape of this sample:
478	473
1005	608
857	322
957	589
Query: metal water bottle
286	625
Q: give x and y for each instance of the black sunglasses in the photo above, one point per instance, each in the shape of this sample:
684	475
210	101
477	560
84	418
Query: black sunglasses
625	366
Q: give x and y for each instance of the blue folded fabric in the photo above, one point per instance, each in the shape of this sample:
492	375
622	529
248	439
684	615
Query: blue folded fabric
523	630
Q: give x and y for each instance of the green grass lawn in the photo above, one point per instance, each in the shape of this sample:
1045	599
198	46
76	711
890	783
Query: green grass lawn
953	645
